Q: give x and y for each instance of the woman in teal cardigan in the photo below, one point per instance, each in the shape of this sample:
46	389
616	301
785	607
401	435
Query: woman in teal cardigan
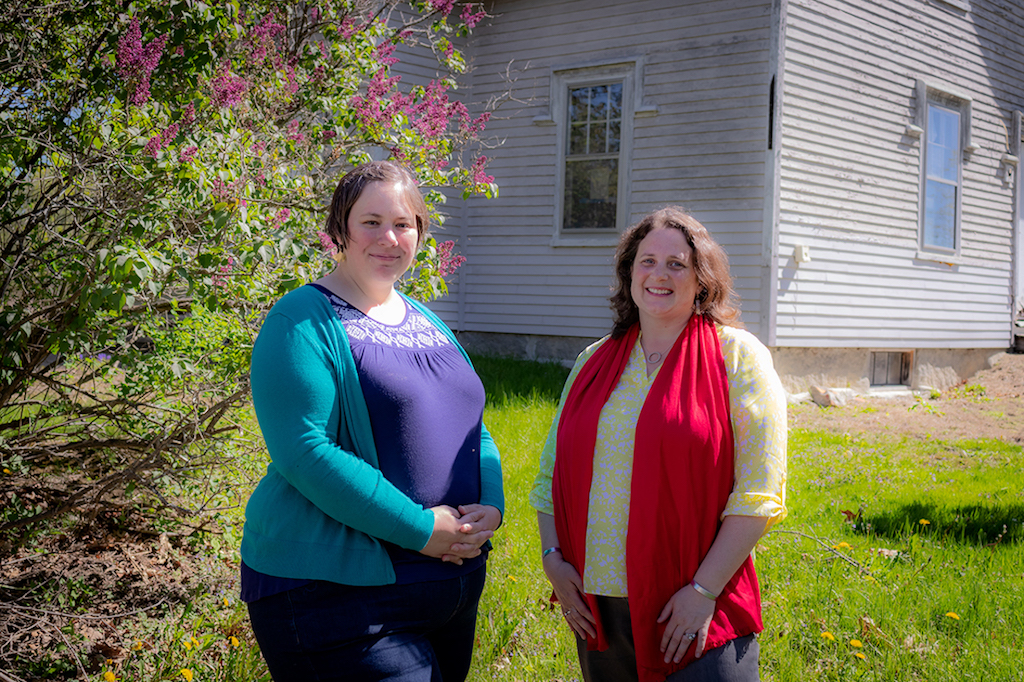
364	549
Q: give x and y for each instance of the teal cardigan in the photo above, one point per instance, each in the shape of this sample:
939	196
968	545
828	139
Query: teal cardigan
324	506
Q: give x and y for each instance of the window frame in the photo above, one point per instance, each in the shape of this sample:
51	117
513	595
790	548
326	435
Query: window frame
629	73
941	95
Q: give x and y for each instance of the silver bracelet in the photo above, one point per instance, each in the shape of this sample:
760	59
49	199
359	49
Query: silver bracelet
549	550
703	591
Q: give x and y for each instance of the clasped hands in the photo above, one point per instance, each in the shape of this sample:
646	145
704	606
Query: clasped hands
459	533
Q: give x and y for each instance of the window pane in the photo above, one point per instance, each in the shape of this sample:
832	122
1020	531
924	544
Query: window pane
939	214
613	136
943	143
599	103
615	100
578	138
597	137
578	101
591	193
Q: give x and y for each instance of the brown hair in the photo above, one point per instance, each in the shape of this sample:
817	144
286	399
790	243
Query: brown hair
717	299
351	187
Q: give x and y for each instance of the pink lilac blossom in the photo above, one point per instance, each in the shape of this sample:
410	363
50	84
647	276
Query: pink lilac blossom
228	89
349	27
227	191
135	62
261	39
161	140
443	6
328	134
479	176
220	281
449	50
326	243
471	19
432	115
383	53
180	50
447	262
374	107
188	115
187	154
293	83
294	133
280	217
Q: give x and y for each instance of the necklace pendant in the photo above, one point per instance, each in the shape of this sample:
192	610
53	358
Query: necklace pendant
654	358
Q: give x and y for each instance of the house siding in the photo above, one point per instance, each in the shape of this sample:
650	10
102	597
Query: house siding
850	175
705	68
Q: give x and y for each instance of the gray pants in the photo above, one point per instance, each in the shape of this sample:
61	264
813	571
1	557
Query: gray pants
735	661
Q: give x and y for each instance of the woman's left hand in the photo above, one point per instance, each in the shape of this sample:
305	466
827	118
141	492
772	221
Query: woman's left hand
688	613
479	522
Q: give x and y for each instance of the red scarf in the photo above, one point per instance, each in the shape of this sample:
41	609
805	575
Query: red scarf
682	478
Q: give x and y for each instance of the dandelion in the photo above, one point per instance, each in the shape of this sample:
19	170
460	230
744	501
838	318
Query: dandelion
187	644
234	641
138	645
953	615
842	545
856	644
513	578
6	470
925	522
109	677
187	674
859	655
828	635
195	641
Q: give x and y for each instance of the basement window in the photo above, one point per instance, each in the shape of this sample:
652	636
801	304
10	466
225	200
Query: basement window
891	368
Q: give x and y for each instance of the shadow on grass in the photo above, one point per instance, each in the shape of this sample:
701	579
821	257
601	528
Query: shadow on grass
972	524
508	380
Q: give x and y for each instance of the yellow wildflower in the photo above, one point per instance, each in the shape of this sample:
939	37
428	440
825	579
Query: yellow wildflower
952	615
234	641
226	602
856	643
7	471
859	655
195	641
187	644
138	645
829	636
925	522
187	674
109	677
842	545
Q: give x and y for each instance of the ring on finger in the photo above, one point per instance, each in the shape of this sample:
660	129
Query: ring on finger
690	635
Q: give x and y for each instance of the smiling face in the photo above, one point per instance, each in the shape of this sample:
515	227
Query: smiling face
382	238
664	284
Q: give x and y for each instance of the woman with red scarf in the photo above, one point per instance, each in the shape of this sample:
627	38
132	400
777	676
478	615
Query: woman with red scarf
664	466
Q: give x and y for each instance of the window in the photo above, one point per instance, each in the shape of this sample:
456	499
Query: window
891	368
591	190
942	178
593	107
944	117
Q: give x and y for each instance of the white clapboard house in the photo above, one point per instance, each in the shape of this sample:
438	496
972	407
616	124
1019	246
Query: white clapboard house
858	159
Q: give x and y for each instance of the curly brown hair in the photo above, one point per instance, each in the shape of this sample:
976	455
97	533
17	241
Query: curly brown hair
717	299
351	187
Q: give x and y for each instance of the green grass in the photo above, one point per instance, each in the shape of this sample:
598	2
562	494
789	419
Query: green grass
853	560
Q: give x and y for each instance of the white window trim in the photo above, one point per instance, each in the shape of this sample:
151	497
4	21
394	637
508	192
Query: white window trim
936	89
630	72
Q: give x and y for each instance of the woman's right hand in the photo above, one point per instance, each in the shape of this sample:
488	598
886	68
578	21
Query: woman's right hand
568	586
449	541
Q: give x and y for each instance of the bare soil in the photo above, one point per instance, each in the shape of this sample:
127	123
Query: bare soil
988	405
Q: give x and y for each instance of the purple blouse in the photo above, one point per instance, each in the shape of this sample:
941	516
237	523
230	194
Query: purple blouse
426	409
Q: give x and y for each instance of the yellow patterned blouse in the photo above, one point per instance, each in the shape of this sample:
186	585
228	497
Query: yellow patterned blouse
757	405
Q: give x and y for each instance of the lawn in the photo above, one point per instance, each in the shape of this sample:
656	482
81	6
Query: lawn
901	559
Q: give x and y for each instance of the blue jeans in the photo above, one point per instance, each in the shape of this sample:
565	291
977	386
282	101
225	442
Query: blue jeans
421	632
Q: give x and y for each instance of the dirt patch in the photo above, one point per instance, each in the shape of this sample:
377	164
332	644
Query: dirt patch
988	405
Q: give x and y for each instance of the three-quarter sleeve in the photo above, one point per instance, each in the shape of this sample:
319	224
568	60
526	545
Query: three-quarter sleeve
757	404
